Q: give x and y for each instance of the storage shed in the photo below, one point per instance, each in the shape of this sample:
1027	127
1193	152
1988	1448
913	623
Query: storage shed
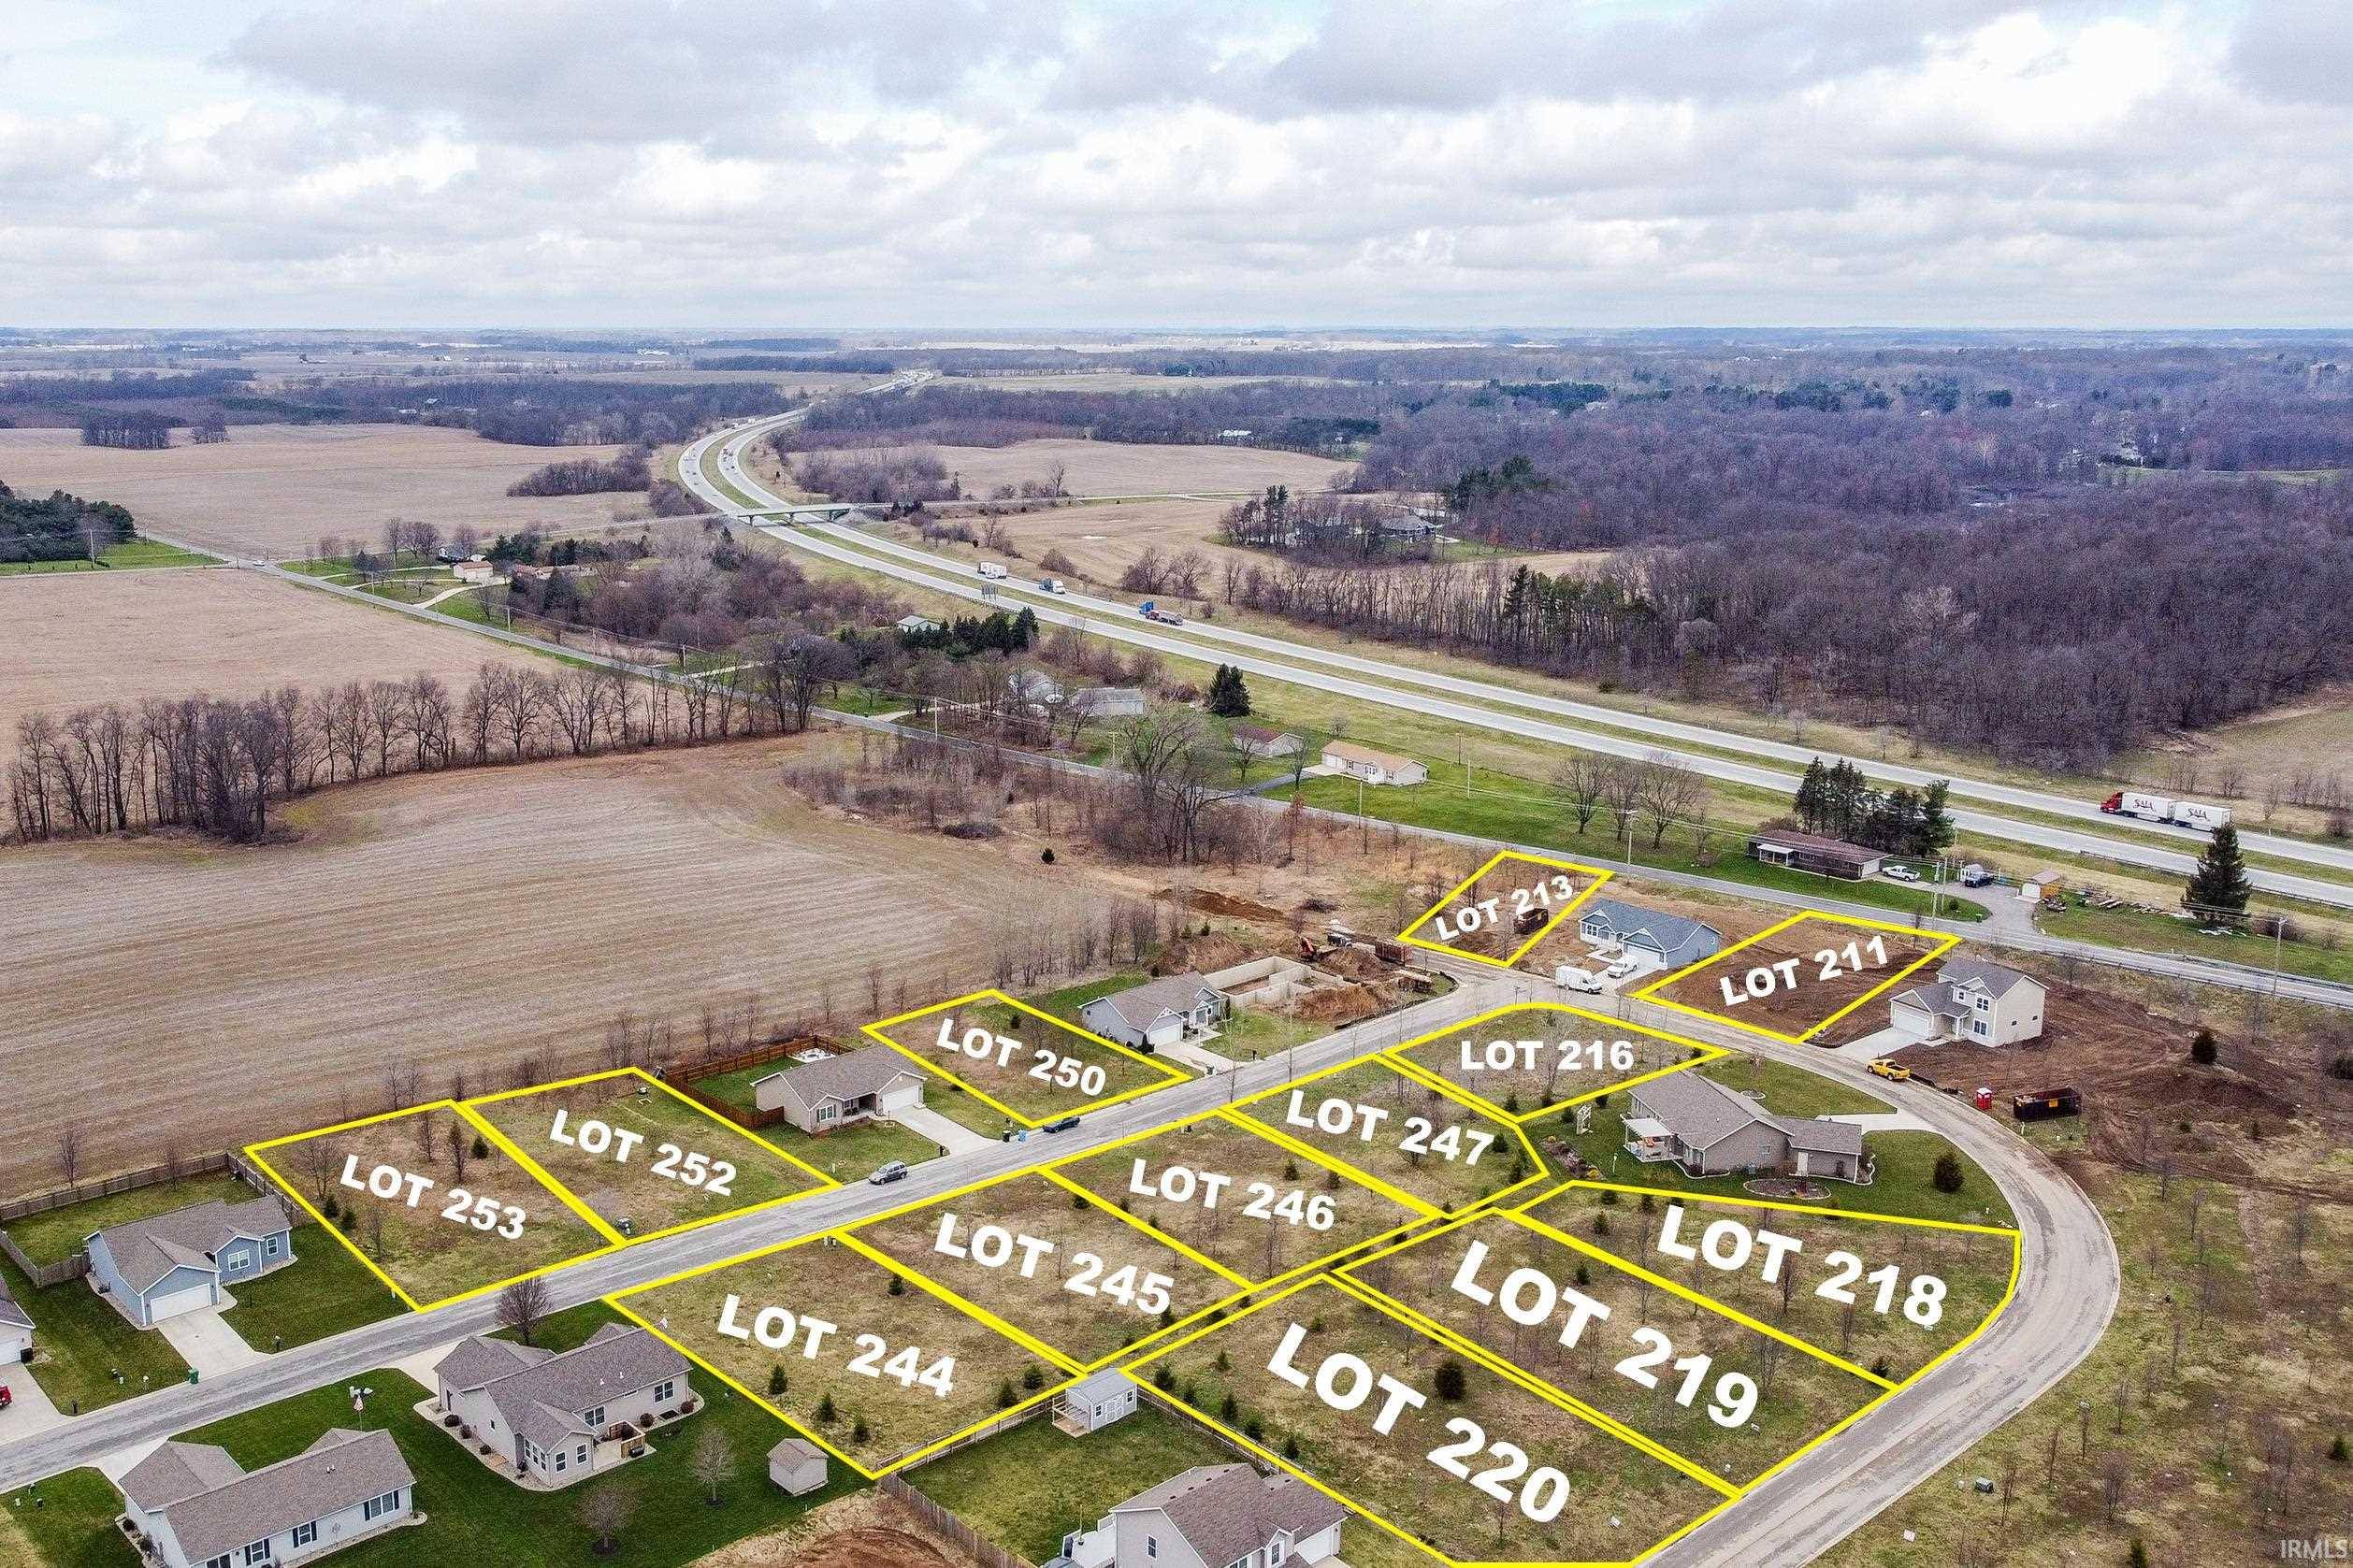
1086	1406
797	1465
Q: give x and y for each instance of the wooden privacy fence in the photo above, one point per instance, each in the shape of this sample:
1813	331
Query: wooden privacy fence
713	1067
954	1530
43	1276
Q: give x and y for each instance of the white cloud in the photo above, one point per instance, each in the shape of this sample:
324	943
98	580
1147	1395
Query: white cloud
825	162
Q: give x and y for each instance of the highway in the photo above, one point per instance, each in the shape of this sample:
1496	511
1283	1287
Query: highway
1416	691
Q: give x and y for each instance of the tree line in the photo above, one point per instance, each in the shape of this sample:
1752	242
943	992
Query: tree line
587	476
1839	802
61	528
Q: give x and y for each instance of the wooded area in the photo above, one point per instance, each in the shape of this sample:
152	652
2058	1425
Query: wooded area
62	527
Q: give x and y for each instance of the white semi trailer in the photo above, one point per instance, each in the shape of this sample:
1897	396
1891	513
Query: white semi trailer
2157	808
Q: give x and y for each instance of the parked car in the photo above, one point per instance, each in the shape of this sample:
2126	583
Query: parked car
1623	968
1900	874
1064	1125
6	1398
896	1171
1894	1071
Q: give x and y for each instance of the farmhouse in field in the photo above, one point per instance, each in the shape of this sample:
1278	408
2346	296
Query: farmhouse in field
1157	1012
797	1466
1712	1131
1094	1404
1213	1516
833	1091
16	1330
1655	940
1254	741
552	1417
1970	999
169	1263
1350	760
474	572
196	1507
1811	852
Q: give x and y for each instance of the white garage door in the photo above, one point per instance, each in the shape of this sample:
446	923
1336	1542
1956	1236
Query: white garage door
902	1096
195	1299
1914	1021
12	1344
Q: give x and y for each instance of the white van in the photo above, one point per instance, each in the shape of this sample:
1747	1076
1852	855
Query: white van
991	570
1570	978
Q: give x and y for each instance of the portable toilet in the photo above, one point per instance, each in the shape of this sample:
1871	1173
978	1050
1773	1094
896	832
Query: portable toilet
1984	1096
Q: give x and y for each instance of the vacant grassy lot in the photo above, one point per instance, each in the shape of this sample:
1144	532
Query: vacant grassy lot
1104	1286
103	636
67	1521
1796	1397
278	487
615	881
133	555
1536	1055
1397	1130
83	1342
325	1291
429	1254
859	1390
57	1236
1225	1375
1810	973
1974	1266
1275	1212
1034	1067
656	1187
1026	1486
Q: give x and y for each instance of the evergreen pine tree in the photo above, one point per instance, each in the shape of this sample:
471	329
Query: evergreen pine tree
2219	882
1810	792
1936	822
1229	698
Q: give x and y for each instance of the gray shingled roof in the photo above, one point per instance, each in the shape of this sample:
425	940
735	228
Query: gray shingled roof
483	1360
1703	1113
1174	993
175	1471
1997	978
1225	1512
145	1250
10	1312
1669	931
1935	997
1819	1135
342	1470
845	1077
543	1401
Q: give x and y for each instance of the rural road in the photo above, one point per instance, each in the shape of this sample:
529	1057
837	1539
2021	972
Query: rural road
1418	691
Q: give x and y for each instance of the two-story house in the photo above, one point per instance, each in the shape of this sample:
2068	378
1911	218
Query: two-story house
1974	1001
1214	1516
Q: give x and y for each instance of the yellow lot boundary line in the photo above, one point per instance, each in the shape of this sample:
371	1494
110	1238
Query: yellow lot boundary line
619	1302
1600	875
1942	943
1537	1168
1064	1358
1728	1494
1419	1213
254	1152
1397	1056
825	1182
1169	1075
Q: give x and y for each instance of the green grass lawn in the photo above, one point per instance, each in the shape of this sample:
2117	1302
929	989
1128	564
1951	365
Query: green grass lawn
1511	810
2163	933
323	1291
130	557
57	1236
1025	1487
478	1518
84	1342
67	1521
1253	1035
852	1153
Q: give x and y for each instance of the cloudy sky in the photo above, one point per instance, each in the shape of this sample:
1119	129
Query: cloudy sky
691	163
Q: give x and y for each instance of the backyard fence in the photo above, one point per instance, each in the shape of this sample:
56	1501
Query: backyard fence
43	1276
947	1526
713	1067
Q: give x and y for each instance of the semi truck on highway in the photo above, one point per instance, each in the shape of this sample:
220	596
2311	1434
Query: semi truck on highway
2157	808
1150	611
991	570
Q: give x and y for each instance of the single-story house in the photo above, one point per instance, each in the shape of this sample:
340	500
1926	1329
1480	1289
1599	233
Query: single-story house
169	1263
1157	1012
1033	686
833	1091
16	1330
1254	741
550	1413
798	1466
199	1508
1108	702
474	572
915	624
1972	1001
1350	760
1214	1516
1712	1131
1811	852
1407	526
1094	1404
1656	939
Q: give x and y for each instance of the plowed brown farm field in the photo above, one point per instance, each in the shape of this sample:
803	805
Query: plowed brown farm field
280	488
162	996
1128	469
77	637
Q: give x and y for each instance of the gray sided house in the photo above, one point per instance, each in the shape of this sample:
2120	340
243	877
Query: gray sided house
1157	1012
182	1261
1214	1516
833	1091
551	1414
1712	1131
1666	940
1972	1000
16	1330
198	1508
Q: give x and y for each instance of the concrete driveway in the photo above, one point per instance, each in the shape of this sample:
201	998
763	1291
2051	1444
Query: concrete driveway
206	1343
31	1409
927	1123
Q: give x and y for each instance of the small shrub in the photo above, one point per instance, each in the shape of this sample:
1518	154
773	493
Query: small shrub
1228	1408
482	1146
1045	857
2341	1065
1584	1275
2138	1556
826	1413
1032	1378
1609	1197
776	1383
1006	1398
1253	1429
2204	1048
1880	1367
1291	1170
898	1286
860	1430
1947	1176
1162	1378
2337	1450
1290	1448
1452	1382
1601	1225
